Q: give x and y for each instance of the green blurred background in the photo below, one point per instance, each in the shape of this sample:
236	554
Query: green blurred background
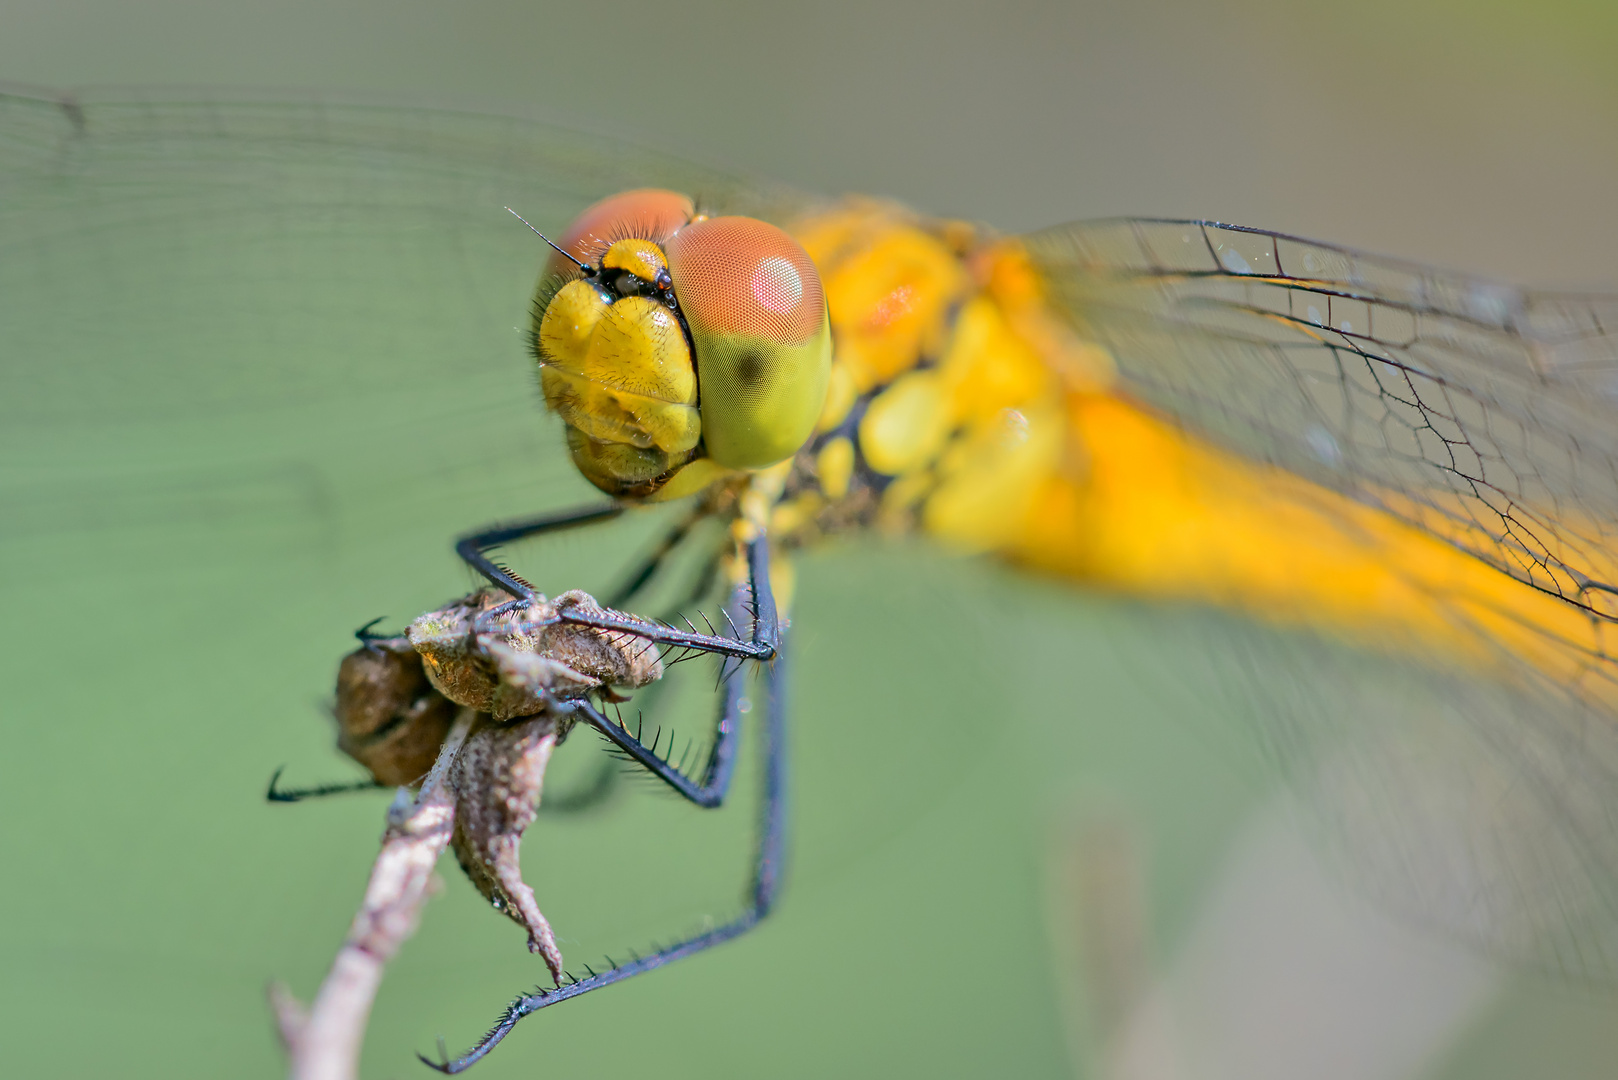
230	439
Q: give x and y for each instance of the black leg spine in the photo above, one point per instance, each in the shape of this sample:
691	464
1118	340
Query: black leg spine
769	855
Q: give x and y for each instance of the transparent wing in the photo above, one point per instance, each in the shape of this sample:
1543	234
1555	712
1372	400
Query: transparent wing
212	262
1483	808
260	361
1482	412
1487	416
284	319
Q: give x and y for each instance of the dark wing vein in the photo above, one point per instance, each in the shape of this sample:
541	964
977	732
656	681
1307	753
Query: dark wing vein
1481	412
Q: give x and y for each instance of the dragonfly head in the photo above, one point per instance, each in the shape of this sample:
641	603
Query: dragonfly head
674	343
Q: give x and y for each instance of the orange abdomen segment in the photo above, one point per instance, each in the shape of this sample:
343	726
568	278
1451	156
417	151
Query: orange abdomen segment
1141	507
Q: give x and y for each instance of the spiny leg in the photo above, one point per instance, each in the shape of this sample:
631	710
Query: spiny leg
708	790
473	548
701	588
316	791
751	601
768	860
375	644
587	797
649	702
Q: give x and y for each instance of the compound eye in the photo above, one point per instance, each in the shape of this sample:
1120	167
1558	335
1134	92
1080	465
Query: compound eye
646	214
753	302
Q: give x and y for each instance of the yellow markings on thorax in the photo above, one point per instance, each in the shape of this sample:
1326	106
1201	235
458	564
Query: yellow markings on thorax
905	426
841	393
835	467
968	365
1003	431
760	500
889	287
1011	280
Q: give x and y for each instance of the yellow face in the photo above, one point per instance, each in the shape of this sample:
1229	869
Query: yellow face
679	345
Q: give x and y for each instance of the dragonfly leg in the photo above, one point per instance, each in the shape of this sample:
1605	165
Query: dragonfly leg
751	602
701	588
768	859
605	783
597	791
316	791
474	548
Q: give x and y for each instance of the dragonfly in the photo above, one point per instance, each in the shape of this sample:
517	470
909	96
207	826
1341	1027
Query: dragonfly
1411	463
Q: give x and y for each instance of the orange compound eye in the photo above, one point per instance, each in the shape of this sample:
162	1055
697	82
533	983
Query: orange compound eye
645	214
753	302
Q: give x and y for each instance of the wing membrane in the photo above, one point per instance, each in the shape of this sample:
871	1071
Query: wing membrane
291	288
1484	802
290	327
1481	412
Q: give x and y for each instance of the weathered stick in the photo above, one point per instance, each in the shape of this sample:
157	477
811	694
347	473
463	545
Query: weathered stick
324	1040
395	697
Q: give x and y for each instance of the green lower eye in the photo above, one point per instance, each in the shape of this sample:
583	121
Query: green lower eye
760	400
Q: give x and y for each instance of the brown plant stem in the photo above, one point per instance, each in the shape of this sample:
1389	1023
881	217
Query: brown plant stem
323	1042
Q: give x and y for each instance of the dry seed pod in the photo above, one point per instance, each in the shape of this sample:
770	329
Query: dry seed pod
523	675
453	661
389	717
609	656
491	672
497	778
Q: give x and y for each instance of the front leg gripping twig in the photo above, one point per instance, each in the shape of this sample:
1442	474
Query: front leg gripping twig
751	602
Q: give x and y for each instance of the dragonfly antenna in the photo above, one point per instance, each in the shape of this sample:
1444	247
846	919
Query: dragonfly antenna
566	255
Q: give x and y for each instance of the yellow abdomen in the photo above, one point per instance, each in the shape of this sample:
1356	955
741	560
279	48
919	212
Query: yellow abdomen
961	406
1143	508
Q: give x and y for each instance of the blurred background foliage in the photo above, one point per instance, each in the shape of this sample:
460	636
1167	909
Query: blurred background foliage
985	767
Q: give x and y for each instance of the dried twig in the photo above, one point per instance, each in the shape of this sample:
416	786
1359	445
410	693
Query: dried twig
395	698
323	1041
